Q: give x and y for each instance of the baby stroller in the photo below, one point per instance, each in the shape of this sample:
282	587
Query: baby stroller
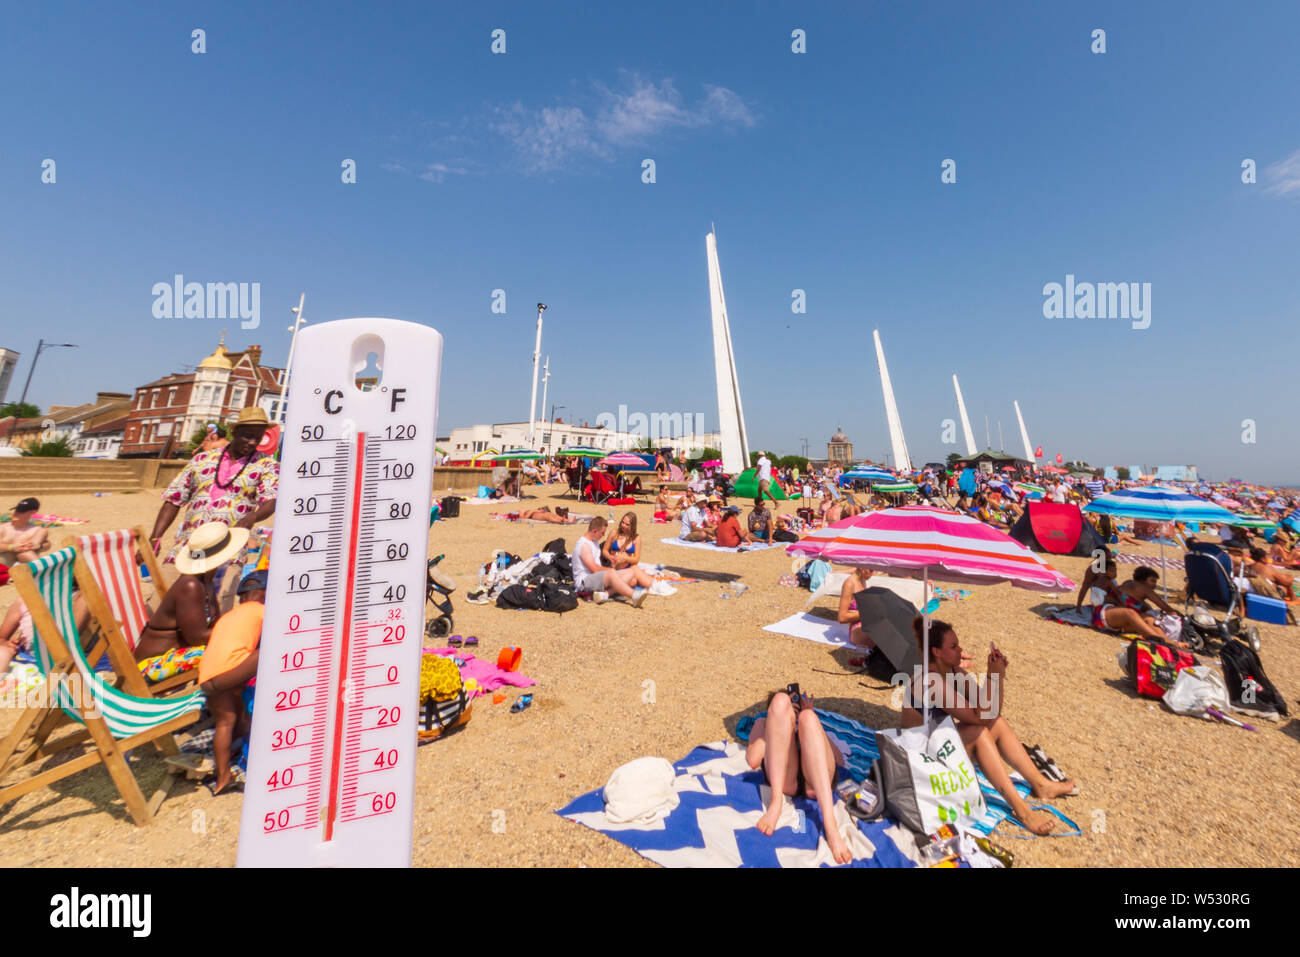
1209	578
437	593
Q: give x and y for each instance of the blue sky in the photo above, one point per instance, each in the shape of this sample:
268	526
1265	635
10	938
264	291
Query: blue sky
522	172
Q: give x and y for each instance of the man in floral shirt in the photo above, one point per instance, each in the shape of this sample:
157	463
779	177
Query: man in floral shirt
235	484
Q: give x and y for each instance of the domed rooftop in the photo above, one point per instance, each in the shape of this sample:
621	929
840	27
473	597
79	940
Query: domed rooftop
839	436
218	359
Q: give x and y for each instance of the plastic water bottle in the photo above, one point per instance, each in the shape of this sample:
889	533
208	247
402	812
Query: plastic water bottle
801	821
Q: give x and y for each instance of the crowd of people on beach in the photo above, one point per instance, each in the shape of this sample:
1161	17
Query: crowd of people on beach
208	619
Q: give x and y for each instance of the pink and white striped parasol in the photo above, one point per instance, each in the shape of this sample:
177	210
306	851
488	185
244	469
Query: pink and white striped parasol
921	541
622	459
930	543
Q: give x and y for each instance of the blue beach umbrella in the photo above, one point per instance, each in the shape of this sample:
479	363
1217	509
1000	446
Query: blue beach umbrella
1159	503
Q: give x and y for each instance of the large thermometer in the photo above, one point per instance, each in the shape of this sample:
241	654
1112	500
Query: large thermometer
331	767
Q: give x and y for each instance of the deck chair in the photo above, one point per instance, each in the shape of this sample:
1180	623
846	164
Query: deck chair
600	488
106	574
113	722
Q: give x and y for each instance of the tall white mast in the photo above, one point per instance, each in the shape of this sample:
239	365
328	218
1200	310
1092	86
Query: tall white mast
731	414
965	419
902	460
298	321
1024	434
537	355
546	380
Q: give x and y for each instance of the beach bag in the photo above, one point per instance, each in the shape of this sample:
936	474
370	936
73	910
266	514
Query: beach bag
519	596
1153	666
552	596
1196	689
1248	687
929	779
444	703
4	574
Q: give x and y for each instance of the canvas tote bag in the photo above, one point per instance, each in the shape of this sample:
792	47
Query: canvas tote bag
929	778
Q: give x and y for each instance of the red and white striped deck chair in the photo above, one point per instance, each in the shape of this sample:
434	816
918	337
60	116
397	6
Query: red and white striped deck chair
110	581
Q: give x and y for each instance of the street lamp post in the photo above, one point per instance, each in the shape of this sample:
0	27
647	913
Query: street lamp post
40	347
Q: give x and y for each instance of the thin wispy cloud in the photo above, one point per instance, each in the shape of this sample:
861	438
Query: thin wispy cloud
1283	177
548	138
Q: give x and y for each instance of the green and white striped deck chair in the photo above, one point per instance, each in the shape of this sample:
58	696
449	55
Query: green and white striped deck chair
114	720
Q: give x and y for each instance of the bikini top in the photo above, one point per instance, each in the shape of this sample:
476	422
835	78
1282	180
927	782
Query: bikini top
631	548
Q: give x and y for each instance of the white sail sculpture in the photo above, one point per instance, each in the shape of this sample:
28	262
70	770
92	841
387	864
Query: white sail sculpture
965	420
902	461
1024	434
731	415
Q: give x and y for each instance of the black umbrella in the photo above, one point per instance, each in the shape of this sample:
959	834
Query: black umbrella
887	620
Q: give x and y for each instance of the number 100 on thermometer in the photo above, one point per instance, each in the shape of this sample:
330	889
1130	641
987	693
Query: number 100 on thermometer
331	768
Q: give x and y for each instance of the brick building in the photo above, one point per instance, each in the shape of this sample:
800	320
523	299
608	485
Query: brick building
166	413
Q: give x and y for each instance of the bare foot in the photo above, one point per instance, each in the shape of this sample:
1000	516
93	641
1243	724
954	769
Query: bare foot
1051	790
767	823
838	848
1038	822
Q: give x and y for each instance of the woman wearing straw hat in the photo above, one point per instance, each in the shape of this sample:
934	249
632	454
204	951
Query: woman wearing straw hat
235	484
188	610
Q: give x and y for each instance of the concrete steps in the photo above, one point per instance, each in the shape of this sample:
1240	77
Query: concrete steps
41	476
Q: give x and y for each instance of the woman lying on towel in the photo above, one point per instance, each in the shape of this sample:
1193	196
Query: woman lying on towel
1120	609
796	755
560	516
987	736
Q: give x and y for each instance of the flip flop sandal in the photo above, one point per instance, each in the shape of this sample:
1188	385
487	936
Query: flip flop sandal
522	702
471	641
211	784
455	641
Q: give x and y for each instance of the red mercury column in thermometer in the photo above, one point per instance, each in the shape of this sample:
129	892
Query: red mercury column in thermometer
344	685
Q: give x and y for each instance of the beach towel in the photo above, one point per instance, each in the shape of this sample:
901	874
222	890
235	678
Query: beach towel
812	628
514	517
486	675
51	521
476	500
1067	615
719	801
1151	560
709	546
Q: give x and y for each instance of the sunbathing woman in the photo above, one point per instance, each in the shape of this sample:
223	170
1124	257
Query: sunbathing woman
1115	609
560	516
796	754
623	547
848	613
988	737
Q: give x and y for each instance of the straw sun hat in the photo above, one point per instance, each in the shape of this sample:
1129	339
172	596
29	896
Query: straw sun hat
210	546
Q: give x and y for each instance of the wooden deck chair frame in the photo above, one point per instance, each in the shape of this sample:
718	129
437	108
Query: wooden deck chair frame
29	740
111	638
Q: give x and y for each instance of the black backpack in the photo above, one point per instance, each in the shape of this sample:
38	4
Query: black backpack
519	596
555	597
1241	666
